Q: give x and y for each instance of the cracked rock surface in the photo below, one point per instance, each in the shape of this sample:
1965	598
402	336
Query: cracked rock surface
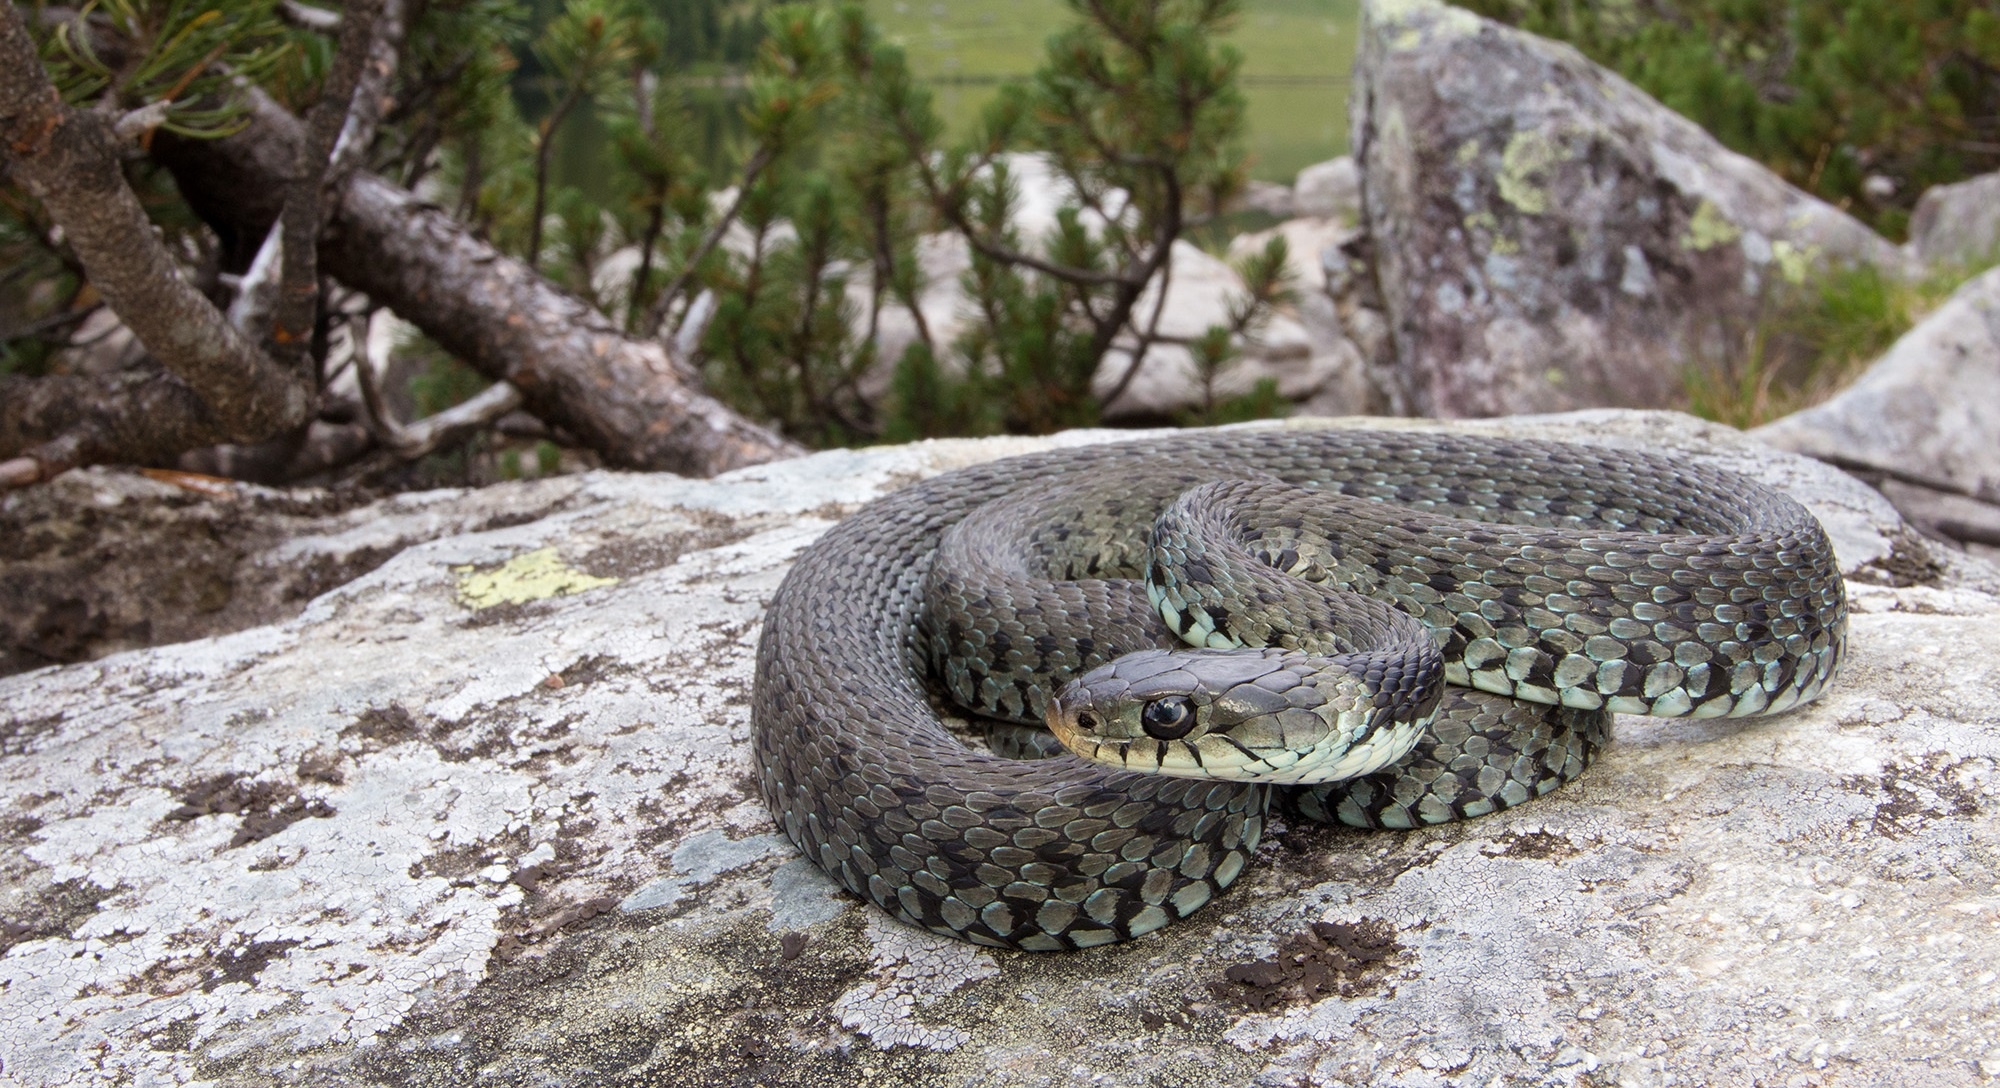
486	814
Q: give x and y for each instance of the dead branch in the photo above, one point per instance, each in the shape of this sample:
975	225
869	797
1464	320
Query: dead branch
630	400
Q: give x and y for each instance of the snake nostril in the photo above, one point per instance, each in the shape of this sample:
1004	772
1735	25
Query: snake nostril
1086	720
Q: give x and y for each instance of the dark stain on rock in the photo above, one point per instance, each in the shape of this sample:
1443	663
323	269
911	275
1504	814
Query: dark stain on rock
266	807
568	916
243	964
630	557
155	564
1909	797
1539	845
322	767
591	669
1910	562
1322	960
381	727
54	912
18	734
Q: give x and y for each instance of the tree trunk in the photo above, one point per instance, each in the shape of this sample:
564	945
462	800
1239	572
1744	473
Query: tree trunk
629	399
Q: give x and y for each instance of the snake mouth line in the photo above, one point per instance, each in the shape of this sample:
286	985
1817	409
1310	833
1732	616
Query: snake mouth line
1276	766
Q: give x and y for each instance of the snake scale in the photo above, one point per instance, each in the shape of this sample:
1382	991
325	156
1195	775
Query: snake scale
1596	580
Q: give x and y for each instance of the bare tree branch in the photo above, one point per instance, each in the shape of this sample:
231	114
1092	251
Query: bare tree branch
371	92
1145	340
257	287
456	423
307	17
298	285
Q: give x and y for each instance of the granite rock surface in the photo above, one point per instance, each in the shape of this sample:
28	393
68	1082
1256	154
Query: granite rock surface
486	814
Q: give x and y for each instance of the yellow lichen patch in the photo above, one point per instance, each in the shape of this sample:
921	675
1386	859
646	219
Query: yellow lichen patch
1709	228
1793	261
1527	155
538	575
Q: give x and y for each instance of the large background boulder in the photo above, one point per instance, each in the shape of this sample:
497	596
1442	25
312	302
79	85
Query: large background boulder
1931	405
1958	224
1924	420
487	814
1549	237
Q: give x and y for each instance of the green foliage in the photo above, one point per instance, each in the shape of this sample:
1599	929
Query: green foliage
1811	341
183	54
442	382
591	46
1135	112
1826	92
794	246
1296	56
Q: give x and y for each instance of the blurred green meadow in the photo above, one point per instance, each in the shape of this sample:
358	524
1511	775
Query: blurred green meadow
1296	58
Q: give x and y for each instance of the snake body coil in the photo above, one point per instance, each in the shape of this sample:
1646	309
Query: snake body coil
1599	579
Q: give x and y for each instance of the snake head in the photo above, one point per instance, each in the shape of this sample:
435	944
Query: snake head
1264	715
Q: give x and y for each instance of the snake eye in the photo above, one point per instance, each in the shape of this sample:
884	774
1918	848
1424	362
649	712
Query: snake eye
1170	718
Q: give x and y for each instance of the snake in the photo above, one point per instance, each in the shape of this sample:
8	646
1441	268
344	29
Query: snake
1376	627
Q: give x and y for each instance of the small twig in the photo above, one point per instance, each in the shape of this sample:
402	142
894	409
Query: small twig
656	318
53	322
371	93
1146	339
545	142
297	307
460	421
20	472
136	124
694	324
387	433
425	436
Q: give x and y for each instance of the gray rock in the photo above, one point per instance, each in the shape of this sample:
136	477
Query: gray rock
1307	240
1268	197
1329	190
1549	237
1930	406
1200	291
1958	224
387	842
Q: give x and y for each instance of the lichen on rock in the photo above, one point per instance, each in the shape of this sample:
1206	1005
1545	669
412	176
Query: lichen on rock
396	840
